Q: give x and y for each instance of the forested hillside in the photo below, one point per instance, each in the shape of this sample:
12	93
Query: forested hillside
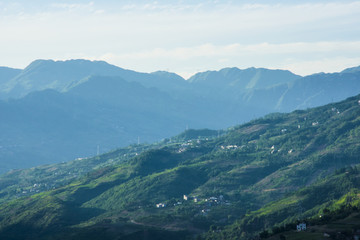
54	111
264	174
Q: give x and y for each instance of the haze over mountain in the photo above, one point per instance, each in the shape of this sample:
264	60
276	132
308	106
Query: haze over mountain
262	177
241	80
59	110
63	75
179	119
7	74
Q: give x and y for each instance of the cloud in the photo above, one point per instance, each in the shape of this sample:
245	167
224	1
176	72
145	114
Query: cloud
237	49
185	36
72	6
328	65
301	57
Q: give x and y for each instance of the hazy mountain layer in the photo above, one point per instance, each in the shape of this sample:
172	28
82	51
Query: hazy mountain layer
7	74
297	160
62	110
63	75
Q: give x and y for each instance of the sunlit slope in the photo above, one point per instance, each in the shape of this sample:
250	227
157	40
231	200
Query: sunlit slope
265	160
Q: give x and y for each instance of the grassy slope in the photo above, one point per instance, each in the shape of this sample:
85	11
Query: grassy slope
332	198
26	182
252	165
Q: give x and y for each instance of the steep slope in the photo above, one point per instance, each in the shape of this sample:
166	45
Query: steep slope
281	156
351	70
47	127
57	75
7	73
251	78
333	198
109	112
232	82
276	90
306	92
27	182
319	89
95	103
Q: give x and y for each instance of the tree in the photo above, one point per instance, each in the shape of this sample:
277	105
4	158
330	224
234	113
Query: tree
264	234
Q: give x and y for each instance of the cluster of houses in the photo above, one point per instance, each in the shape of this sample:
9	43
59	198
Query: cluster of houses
338	235
184	146
273	150
35	188
188	198
228	147
160	205
51	183
335	110
216	200
207	203
315	123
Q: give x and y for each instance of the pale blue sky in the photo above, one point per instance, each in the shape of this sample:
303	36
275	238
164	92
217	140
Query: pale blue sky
184	36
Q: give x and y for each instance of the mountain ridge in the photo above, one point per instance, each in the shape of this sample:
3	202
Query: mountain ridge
59	75
238	178
161	104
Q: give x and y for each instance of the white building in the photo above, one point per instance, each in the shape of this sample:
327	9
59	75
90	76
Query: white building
301	227
160	205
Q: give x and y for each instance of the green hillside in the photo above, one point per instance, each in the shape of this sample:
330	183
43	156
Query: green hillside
267	173
55	111
321	205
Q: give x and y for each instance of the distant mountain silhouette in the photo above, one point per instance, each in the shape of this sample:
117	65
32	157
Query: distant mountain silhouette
58	110
251	78
7	74
63	75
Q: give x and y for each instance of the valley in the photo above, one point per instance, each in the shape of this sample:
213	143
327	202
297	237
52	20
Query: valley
55	111
253	177
179	120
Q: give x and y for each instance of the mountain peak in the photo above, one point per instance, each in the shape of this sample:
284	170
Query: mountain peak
169	75
250	78
58	75
351	70
77	62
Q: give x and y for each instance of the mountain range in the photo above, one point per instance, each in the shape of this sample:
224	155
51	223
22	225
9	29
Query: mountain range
254	180
55	111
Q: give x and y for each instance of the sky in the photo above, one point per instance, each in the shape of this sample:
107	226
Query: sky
185	36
